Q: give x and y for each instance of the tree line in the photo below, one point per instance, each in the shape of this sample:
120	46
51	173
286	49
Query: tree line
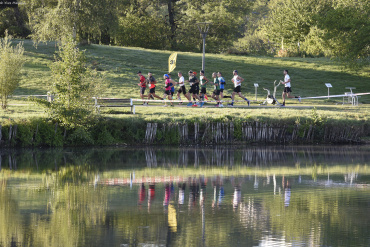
333	28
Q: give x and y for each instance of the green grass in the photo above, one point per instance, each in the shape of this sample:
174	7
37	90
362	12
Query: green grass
120	64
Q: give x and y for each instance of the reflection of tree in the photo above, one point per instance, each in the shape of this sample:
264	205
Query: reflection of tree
319	217
73	212
10	230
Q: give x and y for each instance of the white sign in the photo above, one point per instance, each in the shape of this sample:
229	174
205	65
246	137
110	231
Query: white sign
328	85
255	84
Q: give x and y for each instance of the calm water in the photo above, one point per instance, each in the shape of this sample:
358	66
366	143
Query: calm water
256	196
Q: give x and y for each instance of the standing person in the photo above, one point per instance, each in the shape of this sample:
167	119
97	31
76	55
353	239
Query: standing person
287	88
151	84
203	82
194	87
142	84
182	88
237	80
167	87
216	91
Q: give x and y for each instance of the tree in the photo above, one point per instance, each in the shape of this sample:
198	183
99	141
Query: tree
73	86
345	32
289	21
89	20
11	62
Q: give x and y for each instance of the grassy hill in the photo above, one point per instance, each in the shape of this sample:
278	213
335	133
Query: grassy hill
120	64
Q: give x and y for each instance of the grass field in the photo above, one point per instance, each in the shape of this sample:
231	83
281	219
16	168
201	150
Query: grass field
120	64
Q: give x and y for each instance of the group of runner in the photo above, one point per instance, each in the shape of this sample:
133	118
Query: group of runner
198	88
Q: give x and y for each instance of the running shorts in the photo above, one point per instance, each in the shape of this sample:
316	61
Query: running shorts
216	92
168	92
237	89
152	90
182	90
287	90
194	89
142	90
203	90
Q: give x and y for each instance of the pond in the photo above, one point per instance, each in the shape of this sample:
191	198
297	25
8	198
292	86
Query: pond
187	196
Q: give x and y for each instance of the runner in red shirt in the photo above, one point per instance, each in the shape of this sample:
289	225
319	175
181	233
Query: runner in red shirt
152	83
142	85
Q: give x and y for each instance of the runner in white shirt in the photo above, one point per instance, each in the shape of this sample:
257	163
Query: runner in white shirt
287	88
237	80
182	88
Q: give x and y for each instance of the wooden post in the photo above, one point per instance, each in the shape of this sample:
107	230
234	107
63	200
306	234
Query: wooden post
10	132
231	132
10	162
196	130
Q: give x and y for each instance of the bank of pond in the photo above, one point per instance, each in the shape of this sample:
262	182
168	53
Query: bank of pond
137	131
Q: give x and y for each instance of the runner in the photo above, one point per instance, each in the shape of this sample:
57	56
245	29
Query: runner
203	82
167	88
237	80
222	85
287	88
151	85
172	84
216	91
142	85
182	88
194	87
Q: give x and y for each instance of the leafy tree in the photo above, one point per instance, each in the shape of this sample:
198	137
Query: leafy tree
144	31
289	21
345	32
73	86
89	20
11	62
14	20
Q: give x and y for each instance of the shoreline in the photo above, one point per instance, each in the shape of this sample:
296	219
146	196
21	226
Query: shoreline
140	132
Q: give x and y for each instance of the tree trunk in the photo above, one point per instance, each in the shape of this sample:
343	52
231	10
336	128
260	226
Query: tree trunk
171	17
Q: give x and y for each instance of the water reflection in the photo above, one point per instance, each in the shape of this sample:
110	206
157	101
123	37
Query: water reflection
40	160
120	197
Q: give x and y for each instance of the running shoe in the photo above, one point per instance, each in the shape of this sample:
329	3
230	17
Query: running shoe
299	99
230	105
195	105
220	105
165	105
282	105
201	104
172	105
249	102
190	104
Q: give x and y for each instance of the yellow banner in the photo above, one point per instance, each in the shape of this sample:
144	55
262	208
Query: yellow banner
172	62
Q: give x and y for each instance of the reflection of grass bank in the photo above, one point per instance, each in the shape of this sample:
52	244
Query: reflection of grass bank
238	171
75	174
